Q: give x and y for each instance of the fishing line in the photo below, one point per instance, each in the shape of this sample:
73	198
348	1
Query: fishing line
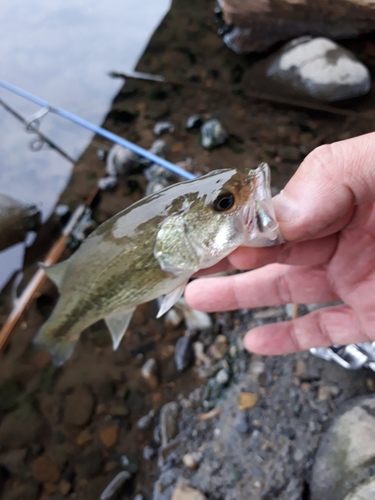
96	129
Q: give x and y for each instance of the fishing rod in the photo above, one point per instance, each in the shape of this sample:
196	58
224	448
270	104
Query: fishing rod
56	251
93	128
41	137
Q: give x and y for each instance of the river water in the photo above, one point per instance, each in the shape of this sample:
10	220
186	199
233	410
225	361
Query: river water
62	52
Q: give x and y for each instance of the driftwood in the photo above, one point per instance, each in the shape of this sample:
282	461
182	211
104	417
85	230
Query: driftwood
262	23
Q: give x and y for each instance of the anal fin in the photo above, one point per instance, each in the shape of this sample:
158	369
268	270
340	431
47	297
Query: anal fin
171	298
117	326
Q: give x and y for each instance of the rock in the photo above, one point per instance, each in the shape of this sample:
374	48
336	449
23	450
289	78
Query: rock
44	470
184	492
184	353
213	134
173	318
192	460
222	377
260	24
163	127
319	68
20	428
65	487
144	422
148	452
79	406
168	422
109	436
120	161
158	147
84	438
89	462
25	491
193	121
324	393
241	422
118	410
194	319
246	400
9	394
149	373
14	461
107	183
16	219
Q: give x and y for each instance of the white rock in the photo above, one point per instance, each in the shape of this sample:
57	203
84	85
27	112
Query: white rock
192	460
321	68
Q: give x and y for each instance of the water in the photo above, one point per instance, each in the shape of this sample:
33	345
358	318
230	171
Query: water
62	52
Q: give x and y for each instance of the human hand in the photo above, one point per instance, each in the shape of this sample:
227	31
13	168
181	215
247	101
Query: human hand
327	216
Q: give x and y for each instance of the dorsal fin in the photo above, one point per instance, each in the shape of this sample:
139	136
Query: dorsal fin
56	272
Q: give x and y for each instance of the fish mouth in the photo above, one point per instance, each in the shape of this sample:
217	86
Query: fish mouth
258	215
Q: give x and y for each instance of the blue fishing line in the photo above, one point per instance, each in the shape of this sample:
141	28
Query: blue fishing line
100	131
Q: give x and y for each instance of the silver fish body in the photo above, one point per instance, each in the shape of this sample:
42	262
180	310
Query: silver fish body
152	249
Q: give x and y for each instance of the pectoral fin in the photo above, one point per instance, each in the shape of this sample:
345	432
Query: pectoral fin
56	272
171	298
117	326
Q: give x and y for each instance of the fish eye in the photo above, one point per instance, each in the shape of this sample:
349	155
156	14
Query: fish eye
223	202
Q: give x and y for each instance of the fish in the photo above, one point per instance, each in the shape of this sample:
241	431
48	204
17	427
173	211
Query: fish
16	220
152	248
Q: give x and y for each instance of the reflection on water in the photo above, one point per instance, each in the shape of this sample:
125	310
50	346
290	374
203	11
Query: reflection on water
62	51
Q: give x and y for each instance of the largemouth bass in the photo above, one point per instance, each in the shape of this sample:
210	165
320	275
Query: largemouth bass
16	219
152	248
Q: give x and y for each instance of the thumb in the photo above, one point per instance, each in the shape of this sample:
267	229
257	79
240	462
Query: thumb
320	197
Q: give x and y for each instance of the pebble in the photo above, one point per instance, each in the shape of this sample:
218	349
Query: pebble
168	422
200	355
148	452
79	406
241	422
149	373
89	462
269	313
144	422
324	393
222	377
173	318
192	460
298	455
84	437
246	400
14	461
107	183
184	353
109	435
120	160
158	147
193	121
118	410
213	134
163	127
194	319
65	487
184	492
44	470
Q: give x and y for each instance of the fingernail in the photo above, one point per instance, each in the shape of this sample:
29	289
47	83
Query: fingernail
286	209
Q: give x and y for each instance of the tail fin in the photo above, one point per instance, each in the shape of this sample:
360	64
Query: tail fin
61	348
